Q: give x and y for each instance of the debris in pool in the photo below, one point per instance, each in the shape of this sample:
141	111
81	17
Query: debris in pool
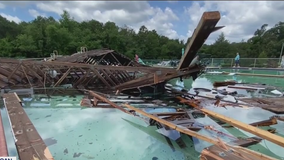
88	157
91	143
48	116
65	151
80	135
155	158
75	155
50	141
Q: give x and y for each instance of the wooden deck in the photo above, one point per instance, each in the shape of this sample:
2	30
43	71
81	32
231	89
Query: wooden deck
28	141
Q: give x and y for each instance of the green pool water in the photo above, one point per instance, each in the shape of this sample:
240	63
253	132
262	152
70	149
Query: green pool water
207	80
93	133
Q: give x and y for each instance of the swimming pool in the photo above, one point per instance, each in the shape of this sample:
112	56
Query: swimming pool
72	132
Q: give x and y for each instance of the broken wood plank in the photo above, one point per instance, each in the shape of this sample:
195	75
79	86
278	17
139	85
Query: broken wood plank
216	153
268	122
204	28
108	101
223	147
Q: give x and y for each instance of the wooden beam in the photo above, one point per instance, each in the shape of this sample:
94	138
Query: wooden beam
62	77
16	69
173	126
107	77
205	27
26	76
101	78
115	58
112	75
34	73
100	60
81	80
108	101
6	73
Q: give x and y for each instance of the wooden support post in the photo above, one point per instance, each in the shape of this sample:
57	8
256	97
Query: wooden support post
100	60
123	75
101	78
115	59
119	76
156	78
62	77
111	74
34	73
13	72
81	80
107	77
26	76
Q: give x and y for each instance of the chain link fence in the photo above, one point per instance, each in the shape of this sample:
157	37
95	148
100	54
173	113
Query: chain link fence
222	62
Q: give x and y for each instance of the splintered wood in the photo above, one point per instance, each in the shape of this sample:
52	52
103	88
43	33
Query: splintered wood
219	151
246	127
28	141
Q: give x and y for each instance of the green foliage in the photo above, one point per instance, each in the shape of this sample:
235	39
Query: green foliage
262	55
42	36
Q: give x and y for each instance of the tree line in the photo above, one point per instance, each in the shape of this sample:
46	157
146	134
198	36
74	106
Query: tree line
43	35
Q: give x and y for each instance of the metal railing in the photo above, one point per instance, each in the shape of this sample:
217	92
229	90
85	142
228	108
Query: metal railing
244	62
225	62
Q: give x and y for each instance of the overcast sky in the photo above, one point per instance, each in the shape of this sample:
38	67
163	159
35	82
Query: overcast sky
175	19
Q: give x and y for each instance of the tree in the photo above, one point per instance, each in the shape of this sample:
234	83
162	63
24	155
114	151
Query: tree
43	35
